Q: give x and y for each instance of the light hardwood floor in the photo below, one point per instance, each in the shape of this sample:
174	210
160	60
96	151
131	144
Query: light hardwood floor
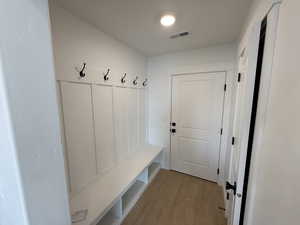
177	199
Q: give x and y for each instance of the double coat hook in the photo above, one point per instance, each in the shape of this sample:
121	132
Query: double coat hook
135	80
82	71
106	77
145	82
123	78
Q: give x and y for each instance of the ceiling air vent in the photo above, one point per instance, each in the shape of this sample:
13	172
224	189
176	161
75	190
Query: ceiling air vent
182	34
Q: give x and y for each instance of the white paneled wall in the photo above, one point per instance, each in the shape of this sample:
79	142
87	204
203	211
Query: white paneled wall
103	125
103	120
132	119
121	121
79	133
142	134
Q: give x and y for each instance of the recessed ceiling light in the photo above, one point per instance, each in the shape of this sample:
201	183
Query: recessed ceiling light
167	20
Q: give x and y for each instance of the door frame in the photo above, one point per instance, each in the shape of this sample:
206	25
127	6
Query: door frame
266	77
236	126
227	112
272	15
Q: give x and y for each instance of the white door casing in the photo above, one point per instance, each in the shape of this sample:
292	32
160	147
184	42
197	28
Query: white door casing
237	127
197	110
239	151
238	165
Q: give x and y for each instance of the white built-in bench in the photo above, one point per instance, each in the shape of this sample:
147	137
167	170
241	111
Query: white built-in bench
109	200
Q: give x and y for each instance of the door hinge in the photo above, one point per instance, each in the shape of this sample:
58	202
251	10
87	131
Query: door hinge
225	87
239	77
218	171
233	140
221	131
227	195
172	130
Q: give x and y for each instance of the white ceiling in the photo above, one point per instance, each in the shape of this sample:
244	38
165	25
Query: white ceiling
136	22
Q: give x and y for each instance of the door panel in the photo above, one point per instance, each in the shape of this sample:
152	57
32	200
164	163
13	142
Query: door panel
192	151
79	132
104	127
193	114
197	108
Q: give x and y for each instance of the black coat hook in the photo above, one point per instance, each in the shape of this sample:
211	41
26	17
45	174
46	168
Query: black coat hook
123	79
81	72
135	80
145	82
106	77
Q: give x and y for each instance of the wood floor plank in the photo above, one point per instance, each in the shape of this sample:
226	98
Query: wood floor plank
178	199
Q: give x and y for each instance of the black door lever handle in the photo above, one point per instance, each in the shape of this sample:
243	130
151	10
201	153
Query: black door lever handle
173	130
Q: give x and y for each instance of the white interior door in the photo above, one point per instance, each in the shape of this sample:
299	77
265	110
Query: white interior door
197	109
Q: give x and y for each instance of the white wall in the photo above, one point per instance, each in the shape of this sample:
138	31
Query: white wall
219	58
76	41
274	183
32	185
12	205
257	12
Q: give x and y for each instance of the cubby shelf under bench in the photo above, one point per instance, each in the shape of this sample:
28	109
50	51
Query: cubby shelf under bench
109	200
